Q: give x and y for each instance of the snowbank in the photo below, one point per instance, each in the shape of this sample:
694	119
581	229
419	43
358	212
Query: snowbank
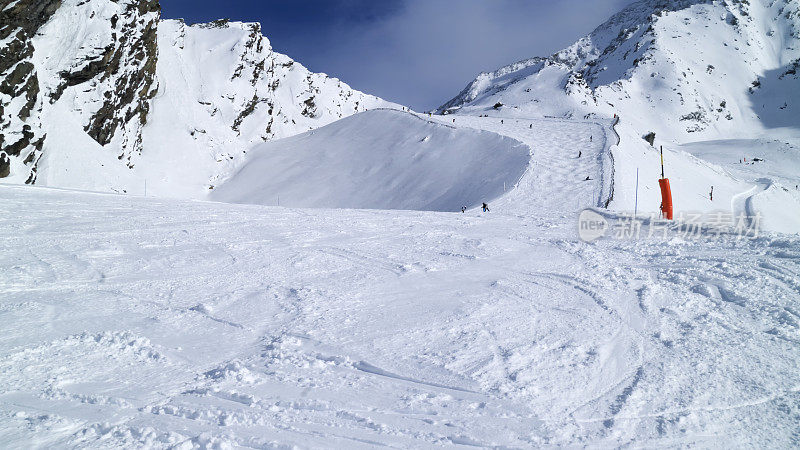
380	159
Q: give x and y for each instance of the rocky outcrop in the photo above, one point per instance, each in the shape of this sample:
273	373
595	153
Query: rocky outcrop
272	95
21	134
132	67
5	165
106	65
119	73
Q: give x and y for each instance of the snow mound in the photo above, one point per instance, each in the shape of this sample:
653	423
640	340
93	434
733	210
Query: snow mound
381	159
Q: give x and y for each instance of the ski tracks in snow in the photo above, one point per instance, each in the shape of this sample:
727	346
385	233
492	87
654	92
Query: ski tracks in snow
564	153
170	324
742	204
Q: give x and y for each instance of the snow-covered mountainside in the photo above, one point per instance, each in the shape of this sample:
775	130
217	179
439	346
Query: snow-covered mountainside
104	95
688	71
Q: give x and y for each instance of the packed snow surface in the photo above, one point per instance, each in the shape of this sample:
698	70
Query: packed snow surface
133	321
381	159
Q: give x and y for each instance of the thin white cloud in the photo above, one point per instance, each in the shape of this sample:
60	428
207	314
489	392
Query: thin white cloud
428	50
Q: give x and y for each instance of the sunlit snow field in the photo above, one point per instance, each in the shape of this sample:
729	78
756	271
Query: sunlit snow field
134	321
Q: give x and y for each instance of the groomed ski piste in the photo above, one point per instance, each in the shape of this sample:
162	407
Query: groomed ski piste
144	322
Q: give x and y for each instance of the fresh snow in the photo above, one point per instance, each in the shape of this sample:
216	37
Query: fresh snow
209	77
771	165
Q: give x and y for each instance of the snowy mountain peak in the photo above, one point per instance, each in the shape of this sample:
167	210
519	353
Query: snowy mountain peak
101	94
681	68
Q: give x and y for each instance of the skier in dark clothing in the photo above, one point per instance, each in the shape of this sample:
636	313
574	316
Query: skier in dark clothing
463	209
485	207
579	153
711	194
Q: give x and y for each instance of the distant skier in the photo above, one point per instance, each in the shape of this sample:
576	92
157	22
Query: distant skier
591	138
711	194
587	178
463	209
580	153
454	120
501	121
531	126
485	207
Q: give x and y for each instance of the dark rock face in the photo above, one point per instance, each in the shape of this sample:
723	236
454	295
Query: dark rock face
5	165
20	133
124	72
120	71
133	89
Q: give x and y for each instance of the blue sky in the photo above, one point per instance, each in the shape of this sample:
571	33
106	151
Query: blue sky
415	52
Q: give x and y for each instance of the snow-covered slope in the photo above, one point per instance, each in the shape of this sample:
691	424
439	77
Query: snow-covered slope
132	322
689	71
102	95
381	159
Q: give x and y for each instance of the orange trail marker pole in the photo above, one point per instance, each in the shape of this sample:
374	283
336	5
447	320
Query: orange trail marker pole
666	192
